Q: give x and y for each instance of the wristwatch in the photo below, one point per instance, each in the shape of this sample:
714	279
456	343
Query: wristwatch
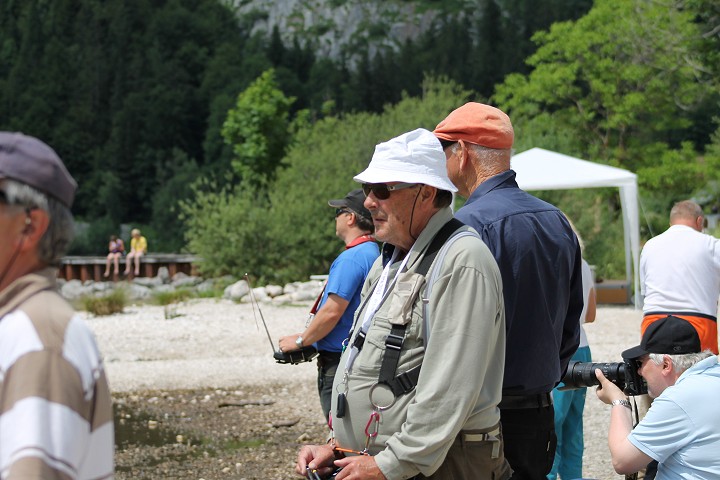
299	343
624	403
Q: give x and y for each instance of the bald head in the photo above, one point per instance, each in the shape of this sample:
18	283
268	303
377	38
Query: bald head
687	213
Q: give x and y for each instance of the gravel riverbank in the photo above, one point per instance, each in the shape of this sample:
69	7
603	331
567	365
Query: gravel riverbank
202	371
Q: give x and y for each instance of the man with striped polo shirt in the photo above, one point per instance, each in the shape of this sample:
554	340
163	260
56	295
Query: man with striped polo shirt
55	406
680	274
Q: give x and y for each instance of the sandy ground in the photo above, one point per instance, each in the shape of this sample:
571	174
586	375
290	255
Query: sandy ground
217	344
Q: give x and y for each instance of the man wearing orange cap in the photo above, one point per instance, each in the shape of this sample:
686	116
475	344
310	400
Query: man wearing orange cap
540	264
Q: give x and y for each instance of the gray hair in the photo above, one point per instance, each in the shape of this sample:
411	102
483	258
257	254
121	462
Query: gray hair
681	362
492	154
686	209
491	159
61	229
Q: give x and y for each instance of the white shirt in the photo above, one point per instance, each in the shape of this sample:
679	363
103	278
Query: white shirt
588	283
680	272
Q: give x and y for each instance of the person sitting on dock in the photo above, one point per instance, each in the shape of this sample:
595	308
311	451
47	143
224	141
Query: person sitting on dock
138	248
116	249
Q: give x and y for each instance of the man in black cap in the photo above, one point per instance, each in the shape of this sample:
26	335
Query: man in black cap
681	431
55	407
341	296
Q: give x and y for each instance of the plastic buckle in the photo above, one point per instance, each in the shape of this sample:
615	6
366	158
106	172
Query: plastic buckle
394	341
359	340
403	380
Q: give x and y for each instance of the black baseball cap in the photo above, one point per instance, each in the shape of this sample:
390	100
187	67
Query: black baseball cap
30	161
353	201
670	335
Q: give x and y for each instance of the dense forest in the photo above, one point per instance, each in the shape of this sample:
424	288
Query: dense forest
213	136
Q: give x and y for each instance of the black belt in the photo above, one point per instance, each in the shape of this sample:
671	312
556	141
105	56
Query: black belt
325	358
516	402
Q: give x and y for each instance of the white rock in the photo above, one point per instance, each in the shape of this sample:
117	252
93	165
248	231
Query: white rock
102	286
74	289
185	280
163	274
164	288
285	298
148	282
303	295
206	285
260	294
273	290
136	291
237	290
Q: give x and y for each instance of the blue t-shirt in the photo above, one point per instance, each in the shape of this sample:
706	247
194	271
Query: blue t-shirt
540	264
346	278
682	428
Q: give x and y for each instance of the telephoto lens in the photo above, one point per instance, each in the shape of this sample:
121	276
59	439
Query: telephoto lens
582	374
623	374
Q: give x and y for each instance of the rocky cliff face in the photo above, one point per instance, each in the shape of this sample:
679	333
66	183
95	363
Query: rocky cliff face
340	28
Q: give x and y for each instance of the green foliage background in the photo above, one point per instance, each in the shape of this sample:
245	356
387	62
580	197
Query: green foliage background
291	233
175	117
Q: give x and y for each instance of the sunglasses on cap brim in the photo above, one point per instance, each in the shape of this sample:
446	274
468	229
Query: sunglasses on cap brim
382	190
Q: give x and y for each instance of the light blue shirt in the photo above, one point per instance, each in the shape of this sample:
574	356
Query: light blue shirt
682	428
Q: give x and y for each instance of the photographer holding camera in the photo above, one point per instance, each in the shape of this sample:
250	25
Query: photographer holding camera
681	431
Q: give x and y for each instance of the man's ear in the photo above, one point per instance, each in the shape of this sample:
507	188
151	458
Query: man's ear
463	157
427	192
667	365
36	224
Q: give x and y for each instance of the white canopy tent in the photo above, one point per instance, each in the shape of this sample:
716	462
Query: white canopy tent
539	169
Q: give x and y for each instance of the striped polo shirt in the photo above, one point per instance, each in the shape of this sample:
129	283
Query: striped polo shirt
55	406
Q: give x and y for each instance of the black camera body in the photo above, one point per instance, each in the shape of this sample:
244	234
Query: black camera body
623	374
305	354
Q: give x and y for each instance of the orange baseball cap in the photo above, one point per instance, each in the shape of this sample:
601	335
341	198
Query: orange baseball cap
479	124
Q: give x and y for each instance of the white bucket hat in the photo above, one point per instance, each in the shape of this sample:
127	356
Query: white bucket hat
413	157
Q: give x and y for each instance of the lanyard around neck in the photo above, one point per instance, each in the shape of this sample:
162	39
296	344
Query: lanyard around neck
378	297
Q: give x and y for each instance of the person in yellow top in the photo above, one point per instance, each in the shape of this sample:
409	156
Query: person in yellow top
138	248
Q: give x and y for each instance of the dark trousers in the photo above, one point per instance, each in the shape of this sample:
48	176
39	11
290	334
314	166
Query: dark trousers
327	366
530	441
470	459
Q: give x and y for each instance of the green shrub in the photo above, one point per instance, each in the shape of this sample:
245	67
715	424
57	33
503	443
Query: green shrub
113	302
175	296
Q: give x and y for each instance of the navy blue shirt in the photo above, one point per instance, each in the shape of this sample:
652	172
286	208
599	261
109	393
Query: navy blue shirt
539	259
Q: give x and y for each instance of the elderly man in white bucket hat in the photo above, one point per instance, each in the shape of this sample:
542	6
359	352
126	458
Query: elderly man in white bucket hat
418	385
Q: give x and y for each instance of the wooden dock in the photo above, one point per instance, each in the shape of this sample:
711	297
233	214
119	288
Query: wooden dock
92	268
613	292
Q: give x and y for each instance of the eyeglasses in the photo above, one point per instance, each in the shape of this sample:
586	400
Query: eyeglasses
447	143
382	190
3	197
340	211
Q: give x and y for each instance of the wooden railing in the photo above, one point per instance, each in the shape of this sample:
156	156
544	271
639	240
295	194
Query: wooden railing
92	268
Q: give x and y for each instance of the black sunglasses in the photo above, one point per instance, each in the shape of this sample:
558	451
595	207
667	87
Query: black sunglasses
382	190
3	197
340	211
446	143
